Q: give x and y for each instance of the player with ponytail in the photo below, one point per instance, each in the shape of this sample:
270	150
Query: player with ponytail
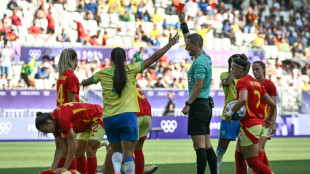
121	103
259	72
249	93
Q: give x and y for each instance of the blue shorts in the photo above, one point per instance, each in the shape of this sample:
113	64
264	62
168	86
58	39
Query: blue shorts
121	127
4	70
228	130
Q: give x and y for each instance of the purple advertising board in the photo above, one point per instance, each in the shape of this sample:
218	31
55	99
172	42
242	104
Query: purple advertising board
166	127
219	58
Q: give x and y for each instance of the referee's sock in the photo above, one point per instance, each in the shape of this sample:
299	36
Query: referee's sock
117	159
219	155
211	158
201	160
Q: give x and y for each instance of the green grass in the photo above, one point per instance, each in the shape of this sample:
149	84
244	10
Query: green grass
286	156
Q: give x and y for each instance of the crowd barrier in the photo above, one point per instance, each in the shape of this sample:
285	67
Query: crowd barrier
166	127
219	58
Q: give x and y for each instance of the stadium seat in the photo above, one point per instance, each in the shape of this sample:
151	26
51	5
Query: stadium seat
127	41
281	55
47	84
148	27
122	28
105	22
118	41
217	44
93	27
39	83
114	18
110	42
226	43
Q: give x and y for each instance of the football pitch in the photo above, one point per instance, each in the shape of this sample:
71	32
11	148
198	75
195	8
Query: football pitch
286	156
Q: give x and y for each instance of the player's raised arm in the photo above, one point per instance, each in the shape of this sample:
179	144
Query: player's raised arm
158	54
184	27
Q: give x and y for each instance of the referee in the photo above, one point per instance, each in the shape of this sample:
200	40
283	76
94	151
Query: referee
199	105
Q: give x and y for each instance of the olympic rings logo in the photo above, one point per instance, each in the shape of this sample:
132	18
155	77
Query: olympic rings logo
34	52
168	125
5	128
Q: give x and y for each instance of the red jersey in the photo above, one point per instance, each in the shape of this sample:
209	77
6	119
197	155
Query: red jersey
255	91
272	91
50	22
78	116
66	83
145	107
80	29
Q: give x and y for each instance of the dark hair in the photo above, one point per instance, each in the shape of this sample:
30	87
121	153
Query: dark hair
41	120
195	38
261	64
231	59
118	57
243	62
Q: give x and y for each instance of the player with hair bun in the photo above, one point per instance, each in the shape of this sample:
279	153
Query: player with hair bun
259	70
69	119
249	93
228	131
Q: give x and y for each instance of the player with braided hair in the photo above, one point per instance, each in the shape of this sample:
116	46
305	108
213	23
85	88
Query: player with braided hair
249	93
259	71
228	131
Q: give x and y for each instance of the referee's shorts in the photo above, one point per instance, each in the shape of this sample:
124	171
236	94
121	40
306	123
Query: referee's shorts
199	117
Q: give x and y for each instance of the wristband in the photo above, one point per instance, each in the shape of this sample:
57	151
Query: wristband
230	113
184	28
186	103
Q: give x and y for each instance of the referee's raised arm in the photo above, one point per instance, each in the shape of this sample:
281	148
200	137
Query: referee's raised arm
184	27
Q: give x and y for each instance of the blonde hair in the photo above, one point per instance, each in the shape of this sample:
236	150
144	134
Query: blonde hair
66	60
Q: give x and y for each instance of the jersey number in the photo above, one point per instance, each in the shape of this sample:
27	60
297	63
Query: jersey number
256	92
60	94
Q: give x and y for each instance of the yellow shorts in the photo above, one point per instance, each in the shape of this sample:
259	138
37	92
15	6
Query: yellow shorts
144	123
251	135
95	132
266	133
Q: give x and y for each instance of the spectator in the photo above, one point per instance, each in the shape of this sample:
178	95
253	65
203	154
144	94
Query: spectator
12	36
269	40
80	30
251	19
270	69
91	9
138	56
159	83
106	63
155	32
34	29
146	16
41	12
63	36
104	38
6	55
27	70
126	16
258	41
140	10
291	38
156	17
155	41
203	4
15	19
284	46
169	109
50	22
12	5
43	73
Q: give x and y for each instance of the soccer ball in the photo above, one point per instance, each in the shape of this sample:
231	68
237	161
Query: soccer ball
238	115
66	172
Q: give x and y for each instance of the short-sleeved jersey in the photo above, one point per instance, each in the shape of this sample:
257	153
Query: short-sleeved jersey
200	69
76	115
255	91
128	101
229	91
67	83
145	107
272	91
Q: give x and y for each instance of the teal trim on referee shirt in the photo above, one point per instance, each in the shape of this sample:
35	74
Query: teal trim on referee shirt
200	69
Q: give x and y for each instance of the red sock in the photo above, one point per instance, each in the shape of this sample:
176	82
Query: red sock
61	162
91	165
241	167
73	165
139	161
260	157
258	166
81	165
265	160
